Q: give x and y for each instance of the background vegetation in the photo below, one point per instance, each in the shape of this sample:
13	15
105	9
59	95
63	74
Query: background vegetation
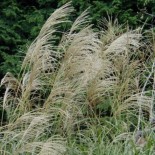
21	21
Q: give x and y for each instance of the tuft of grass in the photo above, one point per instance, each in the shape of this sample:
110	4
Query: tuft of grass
87	93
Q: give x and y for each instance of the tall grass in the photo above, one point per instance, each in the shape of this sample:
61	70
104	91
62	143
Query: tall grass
87	93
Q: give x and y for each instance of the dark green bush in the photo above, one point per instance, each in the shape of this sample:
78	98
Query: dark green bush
21	21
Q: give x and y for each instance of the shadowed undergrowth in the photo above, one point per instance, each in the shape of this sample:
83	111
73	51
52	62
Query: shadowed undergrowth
91	92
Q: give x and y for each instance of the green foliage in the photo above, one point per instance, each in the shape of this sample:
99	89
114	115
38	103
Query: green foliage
134	13
11	60
19	24
21	20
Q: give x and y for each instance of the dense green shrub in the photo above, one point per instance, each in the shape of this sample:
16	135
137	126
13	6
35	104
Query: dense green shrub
21	21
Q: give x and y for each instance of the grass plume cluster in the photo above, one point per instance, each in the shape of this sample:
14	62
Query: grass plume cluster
88	92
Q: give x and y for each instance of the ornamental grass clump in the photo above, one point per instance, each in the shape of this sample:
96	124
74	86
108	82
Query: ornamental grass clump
83	93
